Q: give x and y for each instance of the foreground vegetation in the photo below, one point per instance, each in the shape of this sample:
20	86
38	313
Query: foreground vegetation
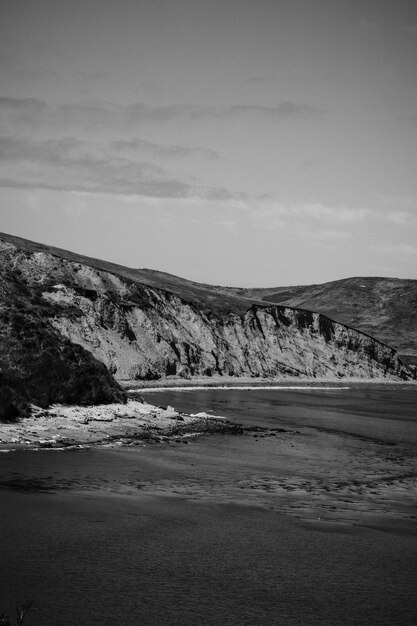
21	612
38	365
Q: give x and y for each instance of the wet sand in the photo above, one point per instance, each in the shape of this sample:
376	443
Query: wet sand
100	560
309	517
345	456
332	454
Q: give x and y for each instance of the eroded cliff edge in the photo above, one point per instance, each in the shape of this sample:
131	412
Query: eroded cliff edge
142	332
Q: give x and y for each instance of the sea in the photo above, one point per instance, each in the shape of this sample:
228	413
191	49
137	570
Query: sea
310	518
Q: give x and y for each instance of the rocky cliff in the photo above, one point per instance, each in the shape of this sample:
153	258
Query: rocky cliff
385	308
143	331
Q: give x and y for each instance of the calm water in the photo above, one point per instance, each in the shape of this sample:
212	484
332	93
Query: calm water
314	525
378	411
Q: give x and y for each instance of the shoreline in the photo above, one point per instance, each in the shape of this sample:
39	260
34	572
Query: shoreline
63	427
231	382
242	387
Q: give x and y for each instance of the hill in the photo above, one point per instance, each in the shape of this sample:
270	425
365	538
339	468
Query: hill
385	308
37	364
207	297
70	323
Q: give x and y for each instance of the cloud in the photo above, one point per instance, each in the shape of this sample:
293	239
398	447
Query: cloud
266	207
26	105
161	151
69	164
92	116
84	115
122	167
282	110
141	187
321	235
410	29
329	215
341	214
84	161
140	112
22	111
396	250
15	149
400	218
331	236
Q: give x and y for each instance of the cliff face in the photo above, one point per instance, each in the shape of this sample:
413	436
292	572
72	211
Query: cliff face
385	308
38	365
142	332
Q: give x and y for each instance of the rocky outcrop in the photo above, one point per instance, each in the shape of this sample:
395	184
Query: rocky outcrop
38	365
142	332
384	308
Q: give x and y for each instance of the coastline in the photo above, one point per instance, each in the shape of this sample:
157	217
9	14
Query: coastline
69	427
231	382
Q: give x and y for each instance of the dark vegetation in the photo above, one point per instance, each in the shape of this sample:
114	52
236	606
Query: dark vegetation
38	365
21	612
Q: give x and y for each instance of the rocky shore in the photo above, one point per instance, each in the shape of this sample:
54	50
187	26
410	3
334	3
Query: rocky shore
107	424
67	426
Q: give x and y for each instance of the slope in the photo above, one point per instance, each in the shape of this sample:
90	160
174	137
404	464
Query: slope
144	325
385	308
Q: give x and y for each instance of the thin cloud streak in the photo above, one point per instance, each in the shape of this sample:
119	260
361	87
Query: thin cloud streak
268	208
140	112
158	150
37	112
70	164
146	188
27	112
395	250
19	148
67	164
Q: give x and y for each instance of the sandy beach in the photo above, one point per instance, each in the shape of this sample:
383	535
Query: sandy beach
314	500
67	426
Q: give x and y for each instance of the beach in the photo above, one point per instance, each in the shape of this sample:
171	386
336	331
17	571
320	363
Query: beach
75	425
305	515
62	426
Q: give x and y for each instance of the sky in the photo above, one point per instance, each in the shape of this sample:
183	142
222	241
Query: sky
230	142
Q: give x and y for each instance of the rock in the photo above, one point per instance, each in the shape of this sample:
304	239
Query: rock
138	330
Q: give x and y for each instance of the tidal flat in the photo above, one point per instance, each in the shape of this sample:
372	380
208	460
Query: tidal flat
308	518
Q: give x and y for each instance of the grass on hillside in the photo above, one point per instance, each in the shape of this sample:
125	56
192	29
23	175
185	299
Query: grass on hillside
38	365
